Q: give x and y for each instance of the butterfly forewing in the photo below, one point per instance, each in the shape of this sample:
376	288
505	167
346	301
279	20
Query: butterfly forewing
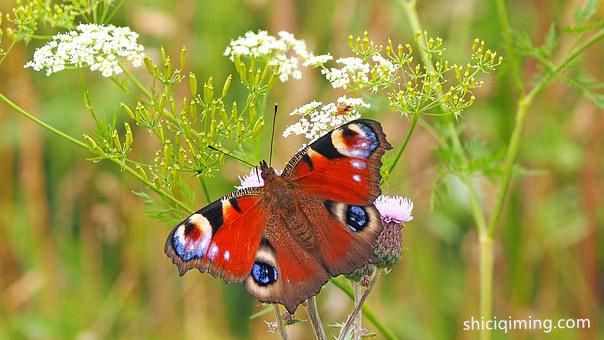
221	238
342	165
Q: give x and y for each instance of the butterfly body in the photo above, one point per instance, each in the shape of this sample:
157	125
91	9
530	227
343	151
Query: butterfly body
286	238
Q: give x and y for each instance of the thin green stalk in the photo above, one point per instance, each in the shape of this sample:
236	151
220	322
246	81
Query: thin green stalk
280	322
359	302
486	249
368	313
486	280
402	148
477	212
29	116
136	82
523	105
79	143
315	319
206	192
512	56
358	320
10	47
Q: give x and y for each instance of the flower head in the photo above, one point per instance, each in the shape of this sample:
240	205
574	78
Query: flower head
354	70
393	212
394	208
98	47
316	118
284	52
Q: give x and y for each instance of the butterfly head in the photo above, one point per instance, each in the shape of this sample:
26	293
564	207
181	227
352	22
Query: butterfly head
266	171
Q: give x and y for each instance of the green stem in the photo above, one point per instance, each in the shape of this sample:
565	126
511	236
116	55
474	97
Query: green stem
486	253
368	313
280	322
476	209
136	82
81	144
512	56
358	304
486	281
315	319
10	47
29	116
402	148
206	192
522	108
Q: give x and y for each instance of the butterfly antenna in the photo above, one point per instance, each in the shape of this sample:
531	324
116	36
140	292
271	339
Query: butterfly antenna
230	155
270	157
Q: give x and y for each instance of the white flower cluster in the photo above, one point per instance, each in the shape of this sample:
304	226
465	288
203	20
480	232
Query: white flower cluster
284	52
384	67
354	70
317	118
95	46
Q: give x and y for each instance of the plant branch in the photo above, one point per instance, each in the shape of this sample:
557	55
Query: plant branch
368	313
358	320
358	306
512	56
523	105
402	147
477	212
315	319
81	144
280	322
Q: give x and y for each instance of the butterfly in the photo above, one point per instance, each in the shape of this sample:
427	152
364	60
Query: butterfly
285	239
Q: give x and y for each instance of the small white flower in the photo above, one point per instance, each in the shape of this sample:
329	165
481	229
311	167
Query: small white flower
353	71
100	48
253	179
286	67
317	60
317	119
284	52
384	67
394	208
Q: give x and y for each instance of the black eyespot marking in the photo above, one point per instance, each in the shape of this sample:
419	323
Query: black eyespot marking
325	147
265	243
189	227
213	213
235	204
348	132
264	274
356	218
308	161
329	205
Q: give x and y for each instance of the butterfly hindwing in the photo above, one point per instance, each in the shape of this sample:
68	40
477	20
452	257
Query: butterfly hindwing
221	238
342	165
301	251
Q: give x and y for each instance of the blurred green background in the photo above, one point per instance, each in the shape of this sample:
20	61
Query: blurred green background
79	258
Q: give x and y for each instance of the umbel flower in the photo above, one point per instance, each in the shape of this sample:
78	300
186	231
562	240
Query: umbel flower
318	118
283	52
100	48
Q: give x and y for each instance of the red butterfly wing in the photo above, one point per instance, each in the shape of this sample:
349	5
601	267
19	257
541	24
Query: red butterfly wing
342	165
299	252
221	238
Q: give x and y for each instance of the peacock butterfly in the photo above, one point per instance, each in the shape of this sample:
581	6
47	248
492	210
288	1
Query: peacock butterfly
284	240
